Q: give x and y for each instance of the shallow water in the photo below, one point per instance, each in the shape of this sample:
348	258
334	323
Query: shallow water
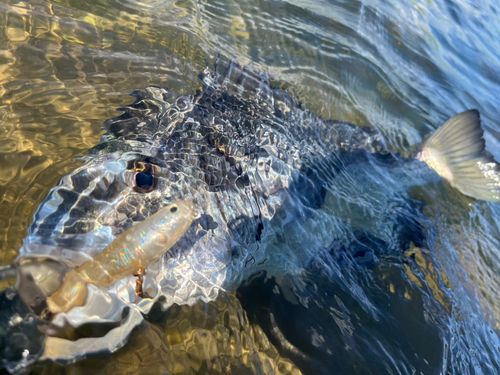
401	67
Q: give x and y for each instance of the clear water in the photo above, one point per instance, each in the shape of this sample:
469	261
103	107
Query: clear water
402	67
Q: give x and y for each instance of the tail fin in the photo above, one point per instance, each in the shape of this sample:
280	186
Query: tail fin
456	151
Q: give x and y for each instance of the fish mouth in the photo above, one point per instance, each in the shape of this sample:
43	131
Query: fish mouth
194	268
108	318
35	249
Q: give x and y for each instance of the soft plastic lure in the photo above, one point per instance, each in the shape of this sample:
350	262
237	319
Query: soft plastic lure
129	253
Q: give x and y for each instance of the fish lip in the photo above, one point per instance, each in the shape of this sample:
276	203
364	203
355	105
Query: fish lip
57	349
33	250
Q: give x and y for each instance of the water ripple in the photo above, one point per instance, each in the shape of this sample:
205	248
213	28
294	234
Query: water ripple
400	66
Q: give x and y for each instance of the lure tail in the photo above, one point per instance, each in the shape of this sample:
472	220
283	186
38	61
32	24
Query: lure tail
72	293
456	151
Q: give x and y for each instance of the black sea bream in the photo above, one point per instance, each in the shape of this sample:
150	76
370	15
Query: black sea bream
273	185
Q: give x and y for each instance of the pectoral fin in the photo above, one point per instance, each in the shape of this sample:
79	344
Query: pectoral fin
456	151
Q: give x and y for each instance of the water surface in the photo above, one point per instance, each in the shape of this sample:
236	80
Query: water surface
401	67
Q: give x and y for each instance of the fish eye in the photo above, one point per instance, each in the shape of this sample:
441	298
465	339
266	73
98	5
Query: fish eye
173	209
142	176
144	182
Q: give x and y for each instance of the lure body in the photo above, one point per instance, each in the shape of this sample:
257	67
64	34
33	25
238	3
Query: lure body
132	250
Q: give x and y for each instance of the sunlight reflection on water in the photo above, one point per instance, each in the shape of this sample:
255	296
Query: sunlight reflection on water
401	67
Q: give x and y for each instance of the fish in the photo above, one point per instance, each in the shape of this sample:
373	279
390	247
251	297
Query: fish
271	182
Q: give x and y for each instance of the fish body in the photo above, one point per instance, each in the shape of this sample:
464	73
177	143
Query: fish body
242	161
272	182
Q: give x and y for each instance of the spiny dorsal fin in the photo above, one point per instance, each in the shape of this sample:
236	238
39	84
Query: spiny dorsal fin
456	151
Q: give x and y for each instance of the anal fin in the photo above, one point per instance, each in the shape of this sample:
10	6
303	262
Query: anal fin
456	151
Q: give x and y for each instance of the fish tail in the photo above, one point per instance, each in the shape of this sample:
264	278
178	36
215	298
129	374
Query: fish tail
456	151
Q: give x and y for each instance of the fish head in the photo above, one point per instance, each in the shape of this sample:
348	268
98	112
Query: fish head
132	173
99	200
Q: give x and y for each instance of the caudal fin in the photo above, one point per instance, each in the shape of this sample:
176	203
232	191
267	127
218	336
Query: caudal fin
456	151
